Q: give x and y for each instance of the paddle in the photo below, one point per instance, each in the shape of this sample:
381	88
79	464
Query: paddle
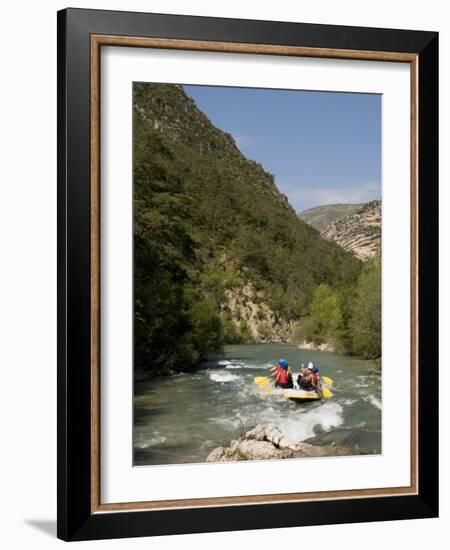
262	381
327	380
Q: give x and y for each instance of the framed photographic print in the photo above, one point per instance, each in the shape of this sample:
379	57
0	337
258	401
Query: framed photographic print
247	253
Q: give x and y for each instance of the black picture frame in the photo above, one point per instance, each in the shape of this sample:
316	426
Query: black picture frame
75	518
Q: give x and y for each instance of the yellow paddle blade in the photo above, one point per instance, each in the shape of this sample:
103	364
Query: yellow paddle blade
326	394
262	381
327	380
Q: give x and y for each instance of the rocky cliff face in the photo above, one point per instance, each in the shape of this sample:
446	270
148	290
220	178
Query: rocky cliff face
358	232
251	314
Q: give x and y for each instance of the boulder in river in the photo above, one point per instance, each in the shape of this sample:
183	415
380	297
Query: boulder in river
266	441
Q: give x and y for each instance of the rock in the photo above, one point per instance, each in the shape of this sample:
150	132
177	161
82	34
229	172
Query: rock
274	435
251	307
359	232
258	433
260	450
325	346
248	450
297	447
267	432
266	441
326	450
216	455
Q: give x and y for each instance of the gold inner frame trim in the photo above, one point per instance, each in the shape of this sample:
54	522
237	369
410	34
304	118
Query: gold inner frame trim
97	41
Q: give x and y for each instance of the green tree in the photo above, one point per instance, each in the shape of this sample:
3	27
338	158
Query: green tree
365	323
216	279
245	332
206	332
231	333
325	321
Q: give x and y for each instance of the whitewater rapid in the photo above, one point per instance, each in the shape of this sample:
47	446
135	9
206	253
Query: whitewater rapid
180	419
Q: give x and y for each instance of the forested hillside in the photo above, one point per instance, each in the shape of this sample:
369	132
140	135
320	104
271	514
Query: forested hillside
220	256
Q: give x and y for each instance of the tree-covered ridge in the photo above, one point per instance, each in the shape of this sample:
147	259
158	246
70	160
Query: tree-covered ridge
207	223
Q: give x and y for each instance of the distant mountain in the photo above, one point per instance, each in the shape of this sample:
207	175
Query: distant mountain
359	232
322	216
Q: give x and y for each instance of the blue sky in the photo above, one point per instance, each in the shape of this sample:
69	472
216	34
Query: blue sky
322	147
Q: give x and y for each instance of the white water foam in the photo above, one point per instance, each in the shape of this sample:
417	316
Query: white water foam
145	443
223	376
347	402
242	366
226	422
374	401
299	427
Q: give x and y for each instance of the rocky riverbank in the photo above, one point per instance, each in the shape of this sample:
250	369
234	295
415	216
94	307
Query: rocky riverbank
325	346
266	441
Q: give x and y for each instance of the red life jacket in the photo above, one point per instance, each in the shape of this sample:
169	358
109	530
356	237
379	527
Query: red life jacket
283	377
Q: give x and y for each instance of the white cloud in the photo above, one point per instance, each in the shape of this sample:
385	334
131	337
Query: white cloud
302	197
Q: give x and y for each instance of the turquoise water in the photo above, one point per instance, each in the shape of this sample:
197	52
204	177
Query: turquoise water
181	419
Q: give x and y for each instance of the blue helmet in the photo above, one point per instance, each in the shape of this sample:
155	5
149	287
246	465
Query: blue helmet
315	370
283	364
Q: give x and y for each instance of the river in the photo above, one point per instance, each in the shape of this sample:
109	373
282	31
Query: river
182	418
